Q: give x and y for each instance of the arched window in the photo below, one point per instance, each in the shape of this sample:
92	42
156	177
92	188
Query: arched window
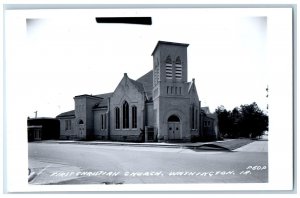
196	119
80	122
173	118
178	68
193	117
134	117
117	115
125	115
103	121
169	70
169	60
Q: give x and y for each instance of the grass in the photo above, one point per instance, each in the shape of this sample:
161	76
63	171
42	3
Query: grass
233	144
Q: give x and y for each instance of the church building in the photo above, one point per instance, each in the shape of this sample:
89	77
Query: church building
159	106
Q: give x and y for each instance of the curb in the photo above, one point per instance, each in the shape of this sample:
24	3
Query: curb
31	175
119	144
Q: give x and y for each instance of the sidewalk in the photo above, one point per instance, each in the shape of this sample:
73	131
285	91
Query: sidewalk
257	146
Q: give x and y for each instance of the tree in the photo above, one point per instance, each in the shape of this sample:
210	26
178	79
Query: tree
246	121
253	120
235	120
224	121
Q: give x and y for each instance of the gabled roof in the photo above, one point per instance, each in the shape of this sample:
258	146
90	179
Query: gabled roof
86	95
105	95
207	113
147	81
138	85
67	114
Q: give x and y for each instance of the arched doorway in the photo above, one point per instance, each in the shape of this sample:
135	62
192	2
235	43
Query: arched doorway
81	128
174	128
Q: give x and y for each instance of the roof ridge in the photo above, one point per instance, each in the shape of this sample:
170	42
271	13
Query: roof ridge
67	113
144	75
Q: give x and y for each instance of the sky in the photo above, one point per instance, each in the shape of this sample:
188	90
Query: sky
69	54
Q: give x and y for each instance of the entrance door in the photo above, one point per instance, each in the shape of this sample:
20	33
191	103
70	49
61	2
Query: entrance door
81	129
173	128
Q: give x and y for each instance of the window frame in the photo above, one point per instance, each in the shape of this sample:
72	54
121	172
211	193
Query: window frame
125	113
133	117
178	68
117	118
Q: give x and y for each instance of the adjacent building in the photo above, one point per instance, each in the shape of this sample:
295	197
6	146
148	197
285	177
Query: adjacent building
43	129
159	106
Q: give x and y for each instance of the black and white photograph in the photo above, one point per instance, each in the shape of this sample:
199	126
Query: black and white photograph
118	97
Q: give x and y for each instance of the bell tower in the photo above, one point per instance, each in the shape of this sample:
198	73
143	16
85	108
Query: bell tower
170	89
169	63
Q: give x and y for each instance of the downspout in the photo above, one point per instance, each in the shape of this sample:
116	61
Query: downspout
145	119
145	111
108	119
200	120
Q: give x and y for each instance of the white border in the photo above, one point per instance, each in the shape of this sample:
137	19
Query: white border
280	157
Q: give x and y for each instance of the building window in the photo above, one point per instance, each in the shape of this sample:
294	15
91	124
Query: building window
206	123
178	68
37	134
68	125
103	121
125	115
193	117
134	117
117	115
179	90
196	119
80	122
169	69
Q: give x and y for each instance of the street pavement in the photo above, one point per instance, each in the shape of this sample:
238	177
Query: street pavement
82	163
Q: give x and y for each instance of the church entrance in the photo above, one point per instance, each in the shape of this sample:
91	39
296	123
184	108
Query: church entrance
173	128
81	129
